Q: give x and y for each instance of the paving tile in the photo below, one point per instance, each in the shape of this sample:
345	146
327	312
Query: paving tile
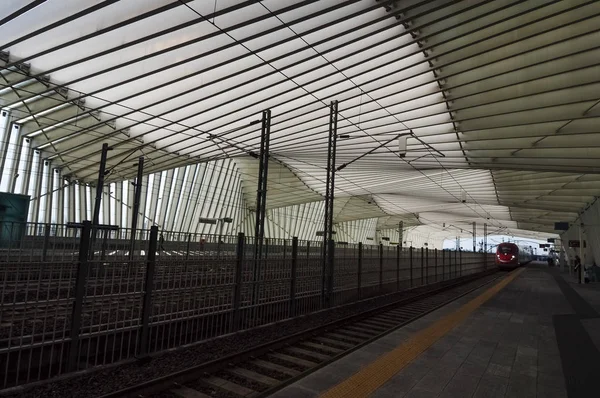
551	380
434	352
553	368
521	386
322	380
504	315
460	386
461	349
544	391
495	369
398	386
418	393
416	370
502	358
471	369
525	370
525	361
491	387
527	351
436	379
426	361
294	391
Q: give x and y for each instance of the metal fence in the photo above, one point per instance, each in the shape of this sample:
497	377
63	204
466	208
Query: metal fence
74	297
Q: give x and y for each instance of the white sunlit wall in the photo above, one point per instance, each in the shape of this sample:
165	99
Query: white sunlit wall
174	200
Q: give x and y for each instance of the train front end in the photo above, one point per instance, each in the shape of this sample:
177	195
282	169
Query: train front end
507	256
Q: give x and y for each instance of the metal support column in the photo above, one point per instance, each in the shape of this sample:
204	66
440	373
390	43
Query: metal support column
581	262
148	286
435	254
99	189
474	236
360	258
443	265
422	282
327	269
485	245
136	205
400	233
380	267
426	265
237	285
293	276
82	274
398	253
411	266
46	241
187	249
261	200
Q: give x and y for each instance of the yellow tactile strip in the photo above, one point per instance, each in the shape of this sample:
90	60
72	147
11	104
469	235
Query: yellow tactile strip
371	377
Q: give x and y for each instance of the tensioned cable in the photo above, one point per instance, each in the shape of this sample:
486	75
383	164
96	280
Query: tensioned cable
377	102
311	94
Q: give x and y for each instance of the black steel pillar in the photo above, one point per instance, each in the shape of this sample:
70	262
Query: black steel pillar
401	233
237	286
411	266
261	199
99	189
380	268
148	286
136	205
485	245
79	291
293	277
474	237
360	258
327	268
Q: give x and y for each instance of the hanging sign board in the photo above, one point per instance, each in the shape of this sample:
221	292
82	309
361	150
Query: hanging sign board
561	226
576	243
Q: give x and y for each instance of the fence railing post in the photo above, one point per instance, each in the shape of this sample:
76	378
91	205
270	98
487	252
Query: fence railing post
426	265
148	287
104	244
82	273
330	271
360	261
435	254
46	241
293	276
422	261
455	263
380	267
411	266
460	262
187	249
237	284
398	253
443	265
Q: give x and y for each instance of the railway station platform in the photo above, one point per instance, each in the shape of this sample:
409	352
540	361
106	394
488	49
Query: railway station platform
532	333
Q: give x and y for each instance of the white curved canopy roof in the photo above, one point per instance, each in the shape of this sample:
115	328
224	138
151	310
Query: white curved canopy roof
500	99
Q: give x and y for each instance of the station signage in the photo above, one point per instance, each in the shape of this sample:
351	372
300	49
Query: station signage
576	243
561	226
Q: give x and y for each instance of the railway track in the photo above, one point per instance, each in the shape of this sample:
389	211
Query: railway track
262	370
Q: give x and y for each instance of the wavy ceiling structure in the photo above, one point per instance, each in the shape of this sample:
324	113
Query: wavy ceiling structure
499	101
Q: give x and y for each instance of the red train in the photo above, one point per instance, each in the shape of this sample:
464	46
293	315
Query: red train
510	255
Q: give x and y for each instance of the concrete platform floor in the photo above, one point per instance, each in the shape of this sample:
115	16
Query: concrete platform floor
537	337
